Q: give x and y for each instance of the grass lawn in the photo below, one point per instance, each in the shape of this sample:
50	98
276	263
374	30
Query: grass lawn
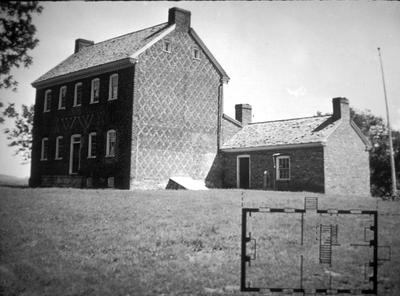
109	242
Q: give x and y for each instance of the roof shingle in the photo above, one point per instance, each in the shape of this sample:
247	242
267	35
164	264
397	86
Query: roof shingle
105	52
282	132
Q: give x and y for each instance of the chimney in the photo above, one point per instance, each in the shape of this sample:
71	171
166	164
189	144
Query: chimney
243	113
81	43
180	17
341	109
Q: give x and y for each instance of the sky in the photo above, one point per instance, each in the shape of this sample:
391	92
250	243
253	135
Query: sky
287	59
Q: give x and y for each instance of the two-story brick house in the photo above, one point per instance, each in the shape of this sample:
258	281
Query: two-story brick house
128	111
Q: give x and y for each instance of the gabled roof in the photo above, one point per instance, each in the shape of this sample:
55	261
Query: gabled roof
104	52
298	131
117	51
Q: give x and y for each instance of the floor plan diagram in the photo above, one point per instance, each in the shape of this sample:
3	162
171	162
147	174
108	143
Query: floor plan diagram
310	251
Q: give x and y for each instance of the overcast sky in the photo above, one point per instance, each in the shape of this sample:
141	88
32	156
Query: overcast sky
286	59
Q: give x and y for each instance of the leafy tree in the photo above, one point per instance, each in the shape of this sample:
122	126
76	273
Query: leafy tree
20	135
17	36
375	129
1	117
319	113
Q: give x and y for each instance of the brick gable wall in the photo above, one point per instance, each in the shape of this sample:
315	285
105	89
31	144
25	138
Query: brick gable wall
99	118
346	163
229	129
175	118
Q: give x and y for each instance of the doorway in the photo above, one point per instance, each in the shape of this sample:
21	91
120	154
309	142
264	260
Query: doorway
75	155
243	171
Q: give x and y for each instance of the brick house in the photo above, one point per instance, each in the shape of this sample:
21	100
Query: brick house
321	153
130	111
135	110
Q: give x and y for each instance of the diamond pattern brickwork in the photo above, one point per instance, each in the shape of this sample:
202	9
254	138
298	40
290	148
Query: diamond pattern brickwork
175	112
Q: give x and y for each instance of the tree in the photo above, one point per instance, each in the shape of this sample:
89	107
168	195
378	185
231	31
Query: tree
17	36
1	117
375	129
20	135
319	113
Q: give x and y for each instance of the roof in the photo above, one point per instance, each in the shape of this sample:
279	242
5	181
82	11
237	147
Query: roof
107	51
306	130
231	120
119	51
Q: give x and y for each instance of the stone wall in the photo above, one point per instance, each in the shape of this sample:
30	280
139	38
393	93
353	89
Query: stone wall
346	163
62	181
175	116
307	170
98	117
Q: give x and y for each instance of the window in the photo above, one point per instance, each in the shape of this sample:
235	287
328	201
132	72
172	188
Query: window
45	149
167	46
95	93
62	97
59	147
47	101
196	53
92	145
111	143
78	94
283	168
113	92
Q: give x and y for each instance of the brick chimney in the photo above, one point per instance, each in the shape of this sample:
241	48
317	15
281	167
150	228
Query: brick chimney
81	43
341	109
180	17
243	113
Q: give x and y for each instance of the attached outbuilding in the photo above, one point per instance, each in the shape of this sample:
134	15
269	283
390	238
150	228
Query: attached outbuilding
321	154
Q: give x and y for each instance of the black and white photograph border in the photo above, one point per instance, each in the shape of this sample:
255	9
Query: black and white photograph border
134	135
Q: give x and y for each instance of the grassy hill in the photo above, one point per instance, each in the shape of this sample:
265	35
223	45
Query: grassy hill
6	180
109	242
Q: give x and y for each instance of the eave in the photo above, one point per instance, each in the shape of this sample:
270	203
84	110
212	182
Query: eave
363	138
112	66
152	42
274	147
225	77
233	121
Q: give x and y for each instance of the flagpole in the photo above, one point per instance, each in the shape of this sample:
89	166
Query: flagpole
393	169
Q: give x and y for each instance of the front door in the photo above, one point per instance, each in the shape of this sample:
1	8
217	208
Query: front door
75	156
244	172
